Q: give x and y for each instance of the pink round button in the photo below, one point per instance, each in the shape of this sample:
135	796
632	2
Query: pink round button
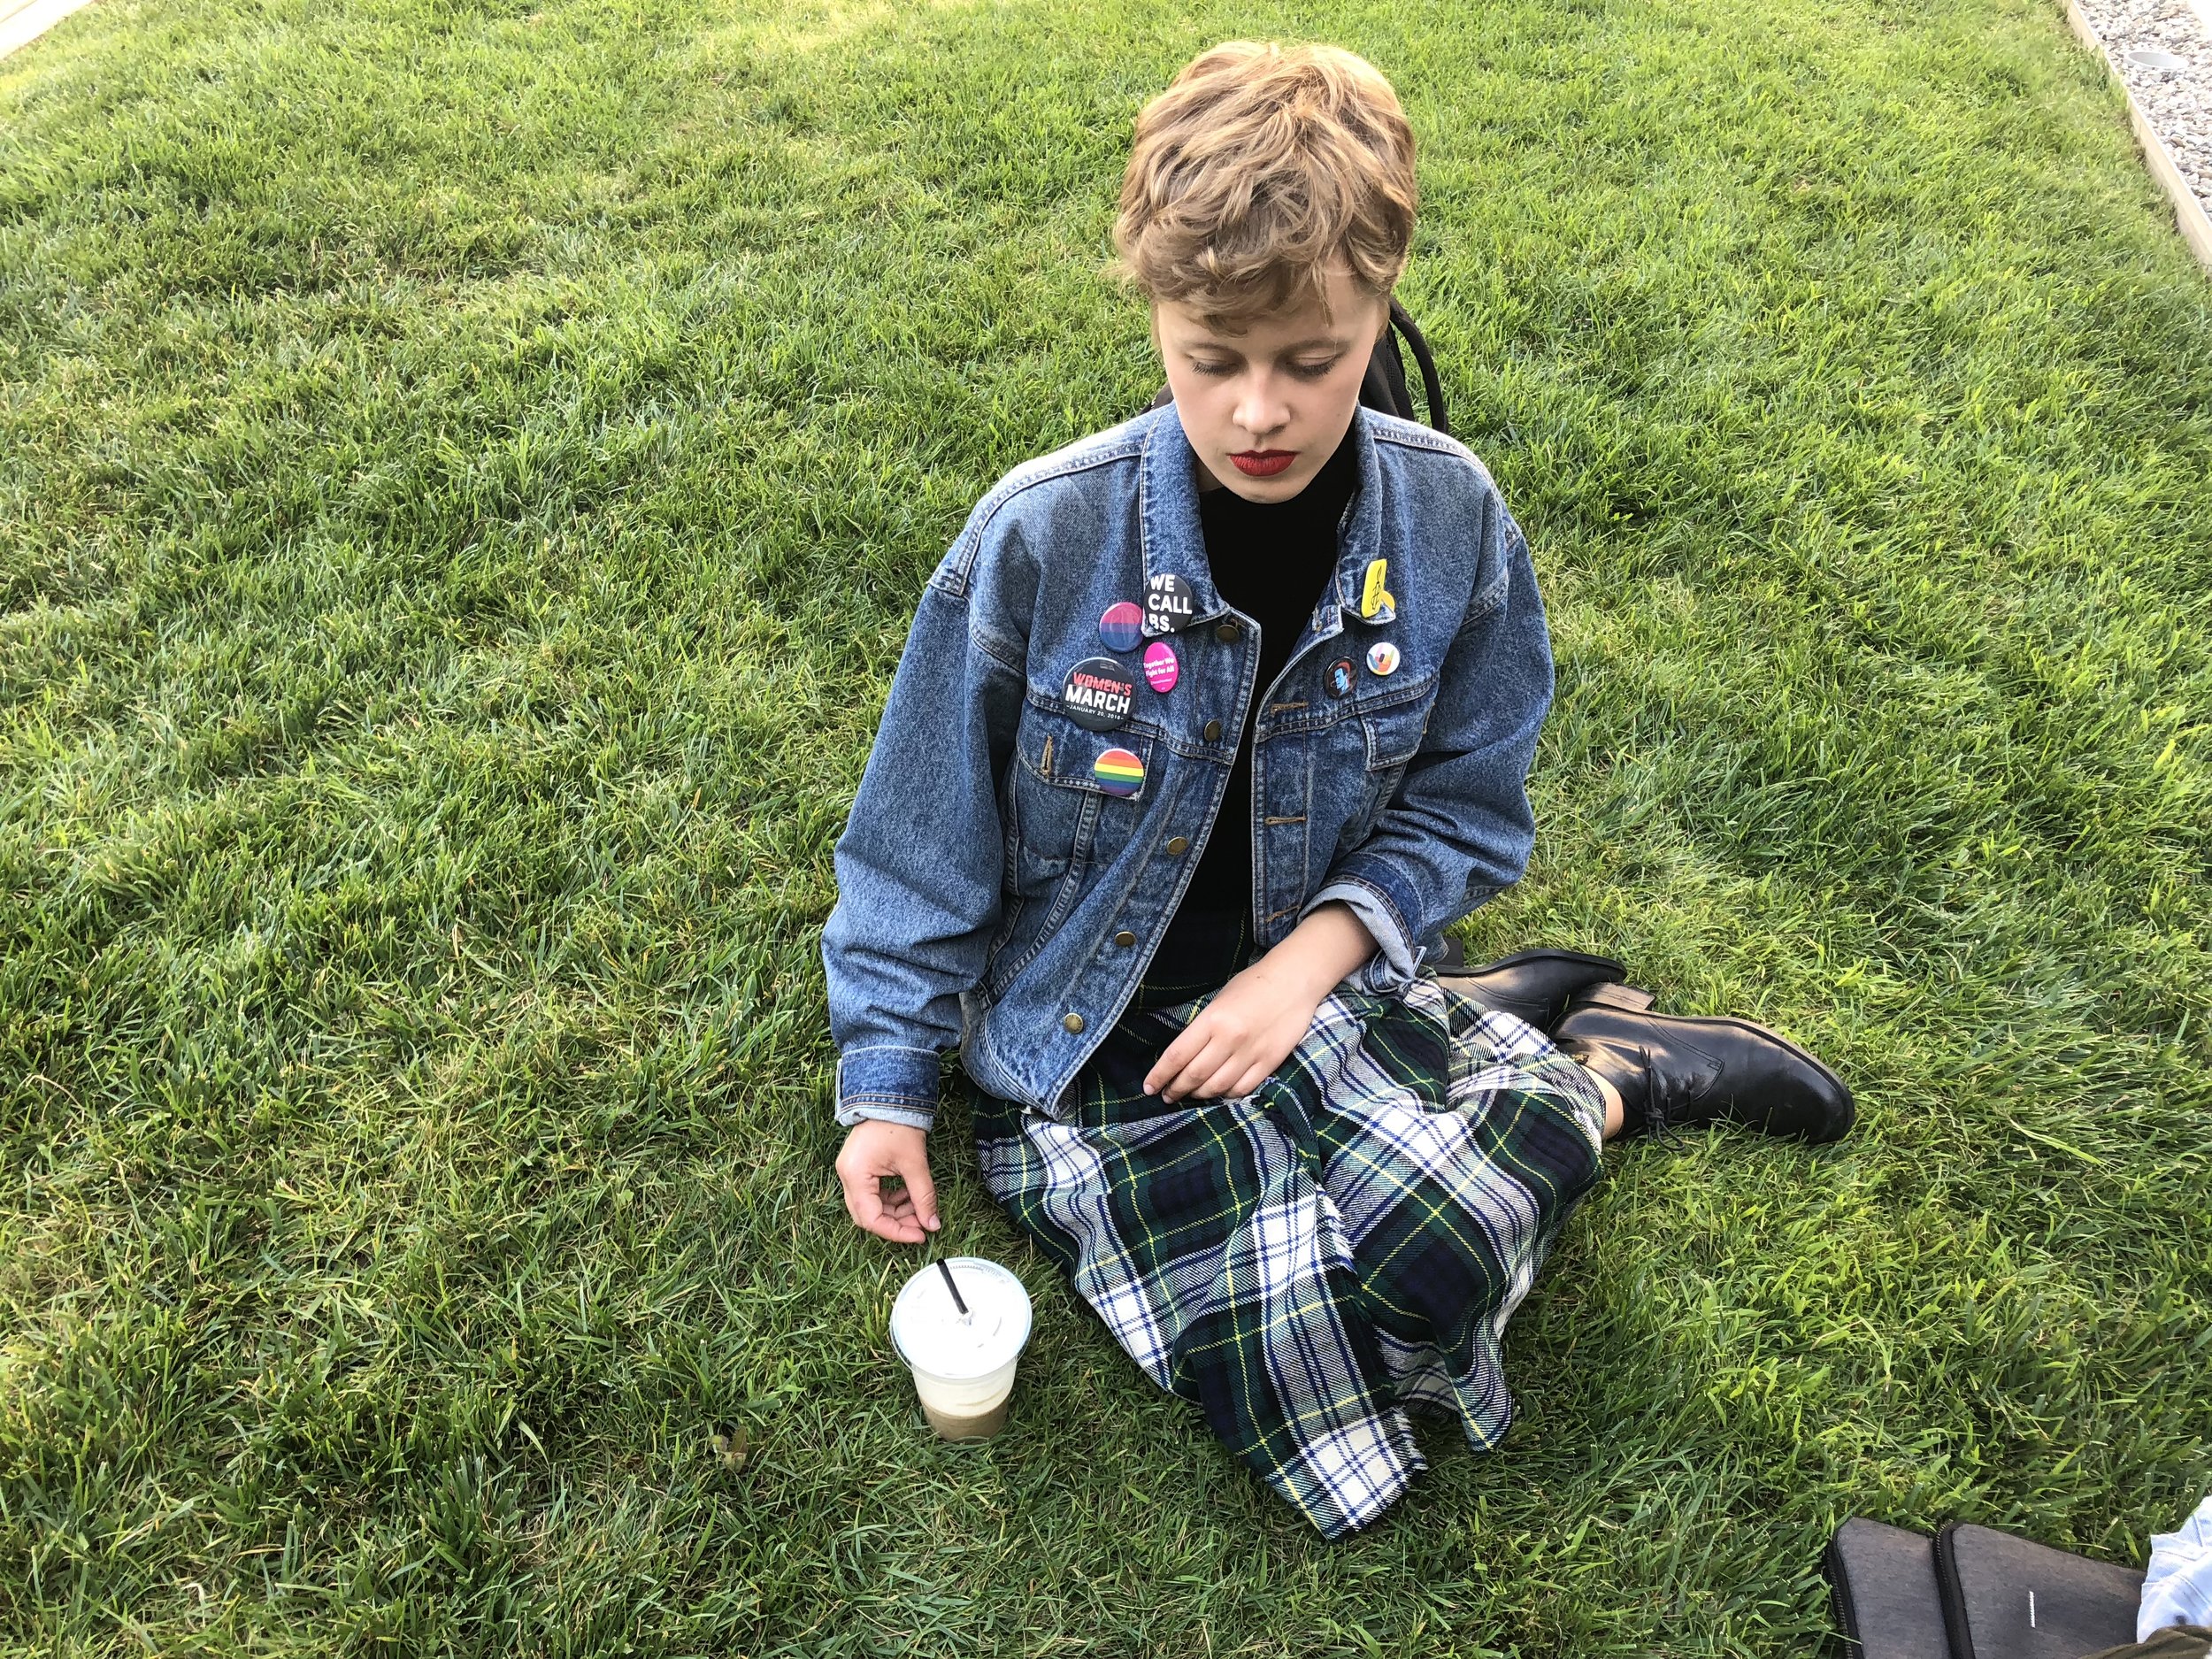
1161	670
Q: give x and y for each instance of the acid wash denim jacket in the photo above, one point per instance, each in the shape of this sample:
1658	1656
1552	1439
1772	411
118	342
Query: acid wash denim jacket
1008	868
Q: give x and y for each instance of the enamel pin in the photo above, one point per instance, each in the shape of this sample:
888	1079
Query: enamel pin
1377	604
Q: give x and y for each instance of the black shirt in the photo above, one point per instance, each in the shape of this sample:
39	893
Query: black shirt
1271	560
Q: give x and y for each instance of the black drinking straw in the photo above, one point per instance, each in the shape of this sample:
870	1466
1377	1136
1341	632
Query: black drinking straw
945	1268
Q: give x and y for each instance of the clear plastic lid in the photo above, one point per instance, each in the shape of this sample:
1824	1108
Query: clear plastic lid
931	1335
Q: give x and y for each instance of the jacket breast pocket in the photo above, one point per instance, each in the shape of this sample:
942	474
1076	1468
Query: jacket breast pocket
1390	731
1071	798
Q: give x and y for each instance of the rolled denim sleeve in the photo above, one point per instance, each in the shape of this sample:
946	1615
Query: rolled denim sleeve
1458	829
919	866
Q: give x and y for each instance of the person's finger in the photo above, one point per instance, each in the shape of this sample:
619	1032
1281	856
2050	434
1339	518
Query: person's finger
1254	1076
1231	1041
1174	1082
887	1218
896	1221
920	1189
864	1200
861	1205
1222	1070
1188	1044
1201	1066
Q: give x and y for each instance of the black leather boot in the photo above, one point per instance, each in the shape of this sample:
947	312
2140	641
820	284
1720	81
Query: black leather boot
1536	985
1673	1071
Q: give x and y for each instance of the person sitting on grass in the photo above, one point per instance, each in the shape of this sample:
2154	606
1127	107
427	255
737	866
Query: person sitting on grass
1208	726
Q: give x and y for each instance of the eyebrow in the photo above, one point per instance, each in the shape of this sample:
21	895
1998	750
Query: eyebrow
1318	343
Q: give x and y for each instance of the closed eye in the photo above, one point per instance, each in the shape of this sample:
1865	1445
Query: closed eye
1303	370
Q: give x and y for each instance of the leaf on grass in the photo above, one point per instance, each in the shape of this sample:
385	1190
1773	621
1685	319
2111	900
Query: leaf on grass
732	1445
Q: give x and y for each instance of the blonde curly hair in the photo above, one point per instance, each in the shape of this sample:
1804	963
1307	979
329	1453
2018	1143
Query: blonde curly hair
1259	169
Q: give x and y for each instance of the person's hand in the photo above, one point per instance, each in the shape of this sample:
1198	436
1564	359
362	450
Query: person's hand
875	1151
1258	1018
1238	1039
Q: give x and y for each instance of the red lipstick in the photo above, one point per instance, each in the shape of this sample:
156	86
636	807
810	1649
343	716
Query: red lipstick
1264	462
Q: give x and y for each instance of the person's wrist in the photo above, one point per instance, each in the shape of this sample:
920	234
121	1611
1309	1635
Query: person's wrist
1299	973
889	1131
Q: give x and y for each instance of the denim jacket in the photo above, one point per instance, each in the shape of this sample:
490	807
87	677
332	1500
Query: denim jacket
1008	868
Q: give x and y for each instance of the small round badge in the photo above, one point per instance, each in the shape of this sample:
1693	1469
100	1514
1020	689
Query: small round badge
1382	657
1122	625
1099	694
1169	602
1161	670
1341	676
1119	772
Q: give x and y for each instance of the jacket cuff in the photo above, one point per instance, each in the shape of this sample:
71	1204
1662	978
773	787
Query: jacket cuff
887	1084
1396	963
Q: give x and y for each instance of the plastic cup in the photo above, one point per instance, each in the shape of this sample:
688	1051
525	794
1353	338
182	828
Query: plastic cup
964	1367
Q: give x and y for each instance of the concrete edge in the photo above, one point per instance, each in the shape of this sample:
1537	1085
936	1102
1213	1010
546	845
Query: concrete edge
26	24
2189	214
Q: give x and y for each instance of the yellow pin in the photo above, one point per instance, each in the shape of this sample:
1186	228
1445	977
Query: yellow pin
1372	595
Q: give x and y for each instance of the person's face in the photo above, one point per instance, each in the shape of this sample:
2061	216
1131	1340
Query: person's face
1266	409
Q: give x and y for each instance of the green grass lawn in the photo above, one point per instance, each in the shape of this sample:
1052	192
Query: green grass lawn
465	474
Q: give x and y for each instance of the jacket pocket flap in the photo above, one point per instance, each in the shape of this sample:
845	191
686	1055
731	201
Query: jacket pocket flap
1395	723
1057	751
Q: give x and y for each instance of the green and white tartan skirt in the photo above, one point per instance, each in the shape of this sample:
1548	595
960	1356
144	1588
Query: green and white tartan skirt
1307	1261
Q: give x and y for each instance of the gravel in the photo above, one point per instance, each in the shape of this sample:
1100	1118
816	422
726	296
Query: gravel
2163	51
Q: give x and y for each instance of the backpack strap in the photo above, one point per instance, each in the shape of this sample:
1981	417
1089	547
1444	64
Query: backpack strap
1432	387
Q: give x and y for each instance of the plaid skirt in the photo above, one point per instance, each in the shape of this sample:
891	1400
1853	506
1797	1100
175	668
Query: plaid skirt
1308	1261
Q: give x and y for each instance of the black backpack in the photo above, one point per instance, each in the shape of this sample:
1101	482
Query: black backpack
1385	388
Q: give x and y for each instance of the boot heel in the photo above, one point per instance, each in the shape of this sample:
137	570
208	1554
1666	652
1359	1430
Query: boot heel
1632	997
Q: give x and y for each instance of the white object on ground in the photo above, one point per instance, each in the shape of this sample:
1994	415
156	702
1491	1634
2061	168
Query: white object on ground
2178	1585
964	1368
25	23
2171	83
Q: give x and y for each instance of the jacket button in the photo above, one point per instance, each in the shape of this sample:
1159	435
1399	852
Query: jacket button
1228	633
1213	731
1124	939
1178	846
1071	1022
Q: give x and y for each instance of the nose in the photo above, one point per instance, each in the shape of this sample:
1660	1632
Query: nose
1260	408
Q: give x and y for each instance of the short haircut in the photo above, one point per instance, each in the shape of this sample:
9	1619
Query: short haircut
1259	169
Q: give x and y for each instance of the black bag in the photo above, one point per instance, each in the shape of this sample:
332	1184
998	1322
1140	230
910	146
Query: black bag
1974	1593
1887	1601
2007	1598
1385	388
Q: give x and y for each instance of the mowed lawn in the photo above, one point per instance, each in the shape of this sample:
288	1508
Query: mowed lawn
465	471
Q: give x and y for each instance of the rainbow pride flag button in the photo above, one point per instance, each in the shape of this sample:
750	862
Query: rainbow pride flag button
1118	773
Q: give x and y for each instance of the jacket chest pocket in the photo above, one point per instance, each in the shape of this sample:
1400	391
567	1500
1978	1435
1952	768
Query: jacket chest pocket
1393	734
1074	794
1071	799
1379	739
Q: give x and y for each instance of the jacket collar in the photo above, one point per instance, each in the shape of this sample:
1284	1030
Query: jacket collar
1175	541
